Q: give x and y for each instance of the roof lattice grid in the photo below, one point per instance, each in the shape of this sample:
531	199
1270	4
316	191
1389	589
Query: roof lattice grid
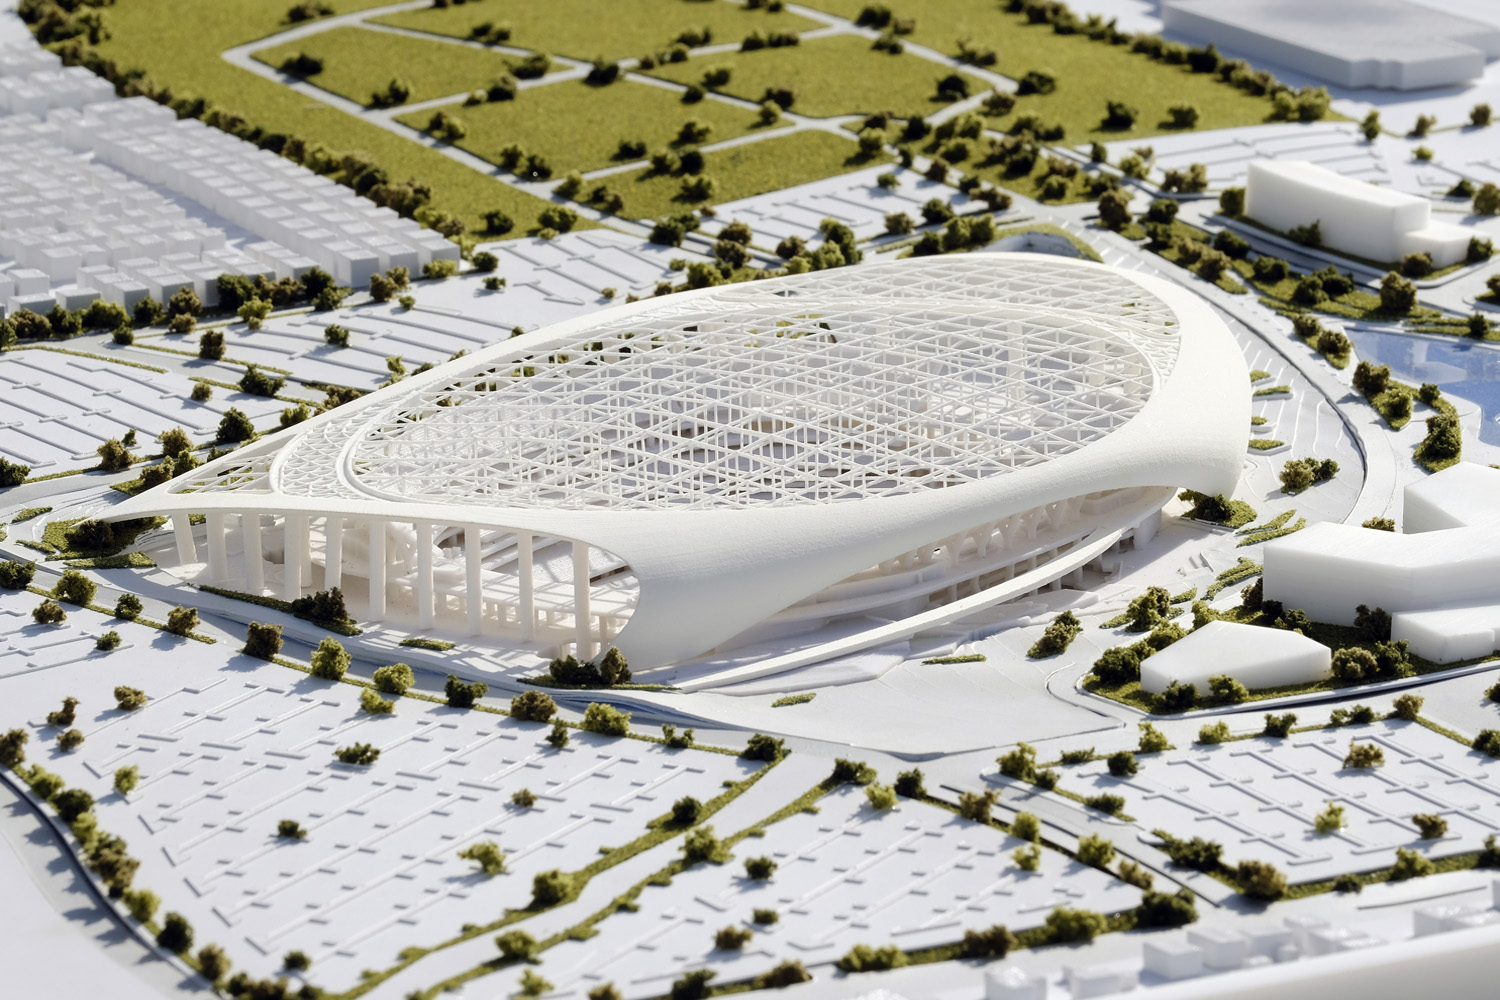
739	400
885	379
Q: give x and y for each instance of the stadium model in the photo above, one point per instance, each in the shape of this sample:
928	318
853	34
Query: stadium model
895	440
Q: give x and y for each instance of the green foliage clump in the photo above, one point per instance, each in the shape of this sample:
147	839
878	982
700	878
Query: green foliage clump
1152	740
487	855
1122	764
1279	725
1260	880
395	678
461	695
1217	732
330	660
1066	924
1410	864
995	942
362	754
1057	637
372	704
1107	803
533	706
1364	755
763	747
606	720
1330	820
1163	909
865	958
1095	850
761	869
182	621
1197	854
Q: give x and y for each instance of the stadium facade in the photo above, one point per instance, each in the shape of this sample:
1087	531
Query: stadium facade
687	474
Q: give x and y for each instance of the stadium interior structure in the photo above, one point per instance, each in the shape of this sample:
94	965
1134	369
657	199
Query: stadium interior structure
688	474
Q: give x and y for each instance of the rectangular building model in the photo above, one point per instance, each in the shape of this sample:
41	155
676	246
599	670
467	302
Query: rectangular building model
1389	44
1353	217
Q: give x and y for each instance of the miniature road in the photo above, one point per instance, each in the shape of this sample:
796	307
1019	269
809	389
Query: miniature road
57	938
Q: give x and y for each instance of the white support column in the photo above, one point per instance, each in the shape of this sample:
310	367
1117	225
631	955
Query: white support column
255	579
585	634
424	573
182	530
333	552
294	555
218	554
377	569
525	543
475	569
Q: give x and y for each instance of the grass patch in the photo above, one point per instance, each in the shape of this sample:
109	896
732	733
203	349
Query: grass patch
86	354
598	118
29	513
1238	573
285	607
768	165
55	538
839	75
177	43
130	560
421	642
1274	390
1265	444
578	28
967	658
1266	534
1276	522
357	62
1088	72
794	699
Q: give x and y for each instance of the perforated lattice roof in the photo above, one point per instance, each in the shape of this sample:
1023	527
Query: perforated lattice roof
868	381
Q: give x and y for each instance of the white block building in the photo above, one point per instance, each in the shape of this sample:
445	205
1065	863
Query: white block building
1440	579
687	474
1354	217
1256	657
1389	44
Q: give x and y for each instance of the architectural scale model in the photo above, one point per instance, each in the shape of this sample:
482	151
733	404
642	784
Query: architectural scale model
660	499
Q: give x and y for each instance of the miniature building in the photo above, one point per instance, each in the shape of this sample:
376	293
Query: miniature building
1357	218
674	475
1391	44
1256	657
1440	579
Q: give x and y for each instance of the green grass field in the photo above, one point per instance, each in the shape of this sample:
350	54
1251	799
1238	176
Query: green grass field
578	28
742	171
1088	72
840	75
178	43
597	119
357	62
